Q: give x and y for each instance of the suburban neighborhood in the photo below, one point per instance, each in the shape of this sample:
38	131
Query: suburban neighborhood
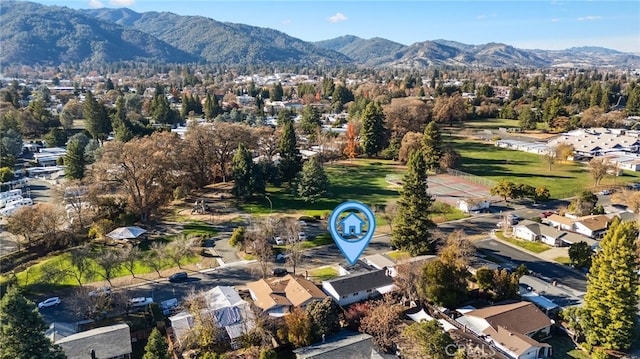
155	209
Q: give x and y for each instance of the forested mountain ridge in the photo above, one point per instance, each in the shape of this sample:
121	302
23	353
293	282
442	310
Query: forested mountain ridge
219	42
37	34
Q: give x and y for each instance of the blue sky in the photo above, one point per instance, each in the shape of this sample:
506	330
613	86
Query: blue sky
537	24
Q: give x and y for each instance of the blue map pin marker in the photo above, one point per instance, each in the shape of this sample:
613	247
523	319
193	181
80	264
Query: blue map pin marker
350	239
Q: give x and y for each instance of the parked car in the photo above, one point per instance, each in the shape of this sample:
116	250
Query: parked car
546	214
178	277
605	192
102	291
280	272
140	301
49	302
279	241
302	236
513	217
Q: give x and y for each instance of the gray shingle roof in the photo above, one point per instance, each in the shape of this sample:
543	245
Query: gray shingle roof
360	282
108	342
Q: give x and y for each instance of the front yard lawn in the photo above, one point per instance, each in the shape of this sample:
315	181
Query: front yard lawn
535	247
324	273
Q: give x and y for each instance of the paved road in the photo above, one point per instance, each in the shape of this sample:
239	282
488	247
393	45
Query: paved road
563	274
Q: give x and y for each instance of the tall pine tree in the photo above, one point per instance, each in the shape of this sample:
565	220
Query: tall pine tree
242	167
74	160
372	133
610	305
313	181
96	120
432	146
290	158
22	330
412	225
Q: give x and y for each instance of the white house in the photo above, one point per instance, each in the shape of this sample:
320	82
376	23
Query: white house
560	222
533	231
473	204
357	287
592	226
381	261
511	328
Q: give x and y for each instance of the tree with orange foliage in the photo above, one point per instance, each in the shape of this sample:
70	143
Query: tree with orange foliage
351	149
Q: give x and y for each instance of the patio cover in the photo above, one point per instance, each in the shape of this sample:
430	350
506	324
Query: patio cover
124	233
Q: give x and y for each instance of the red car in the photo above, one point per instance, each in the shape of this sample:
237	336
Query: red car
546	214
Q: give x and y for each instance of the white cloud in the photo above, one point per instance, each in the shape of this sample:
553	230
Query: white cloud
121	2
485	16
555	20
338	17
286	22
589	18
96	4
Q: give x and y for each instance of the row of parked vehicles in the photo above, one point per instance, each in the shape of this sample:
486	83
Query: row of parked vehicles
11	200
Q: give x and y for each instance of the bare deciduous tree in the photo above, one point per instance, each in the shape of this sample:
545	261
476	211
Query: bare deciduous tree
130	257
181	247
80	259
294	255
382	322
598	168
262	250
109	262
155	256
458	250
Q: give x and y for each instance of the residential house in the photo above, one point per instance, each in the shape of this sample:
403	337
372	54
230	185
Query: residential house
357	287
592	226
560	222
225	307
381	261
511	327
360	266
533	231
278	296
344	345
469	205
109	342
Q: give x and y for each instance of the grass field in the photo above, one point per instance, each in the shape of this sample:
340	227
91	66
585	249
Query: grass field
491	123
563	180
563	260
358	180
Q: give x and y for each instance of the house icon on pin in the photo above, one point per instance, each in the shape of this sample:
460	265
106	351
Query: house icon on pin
351	225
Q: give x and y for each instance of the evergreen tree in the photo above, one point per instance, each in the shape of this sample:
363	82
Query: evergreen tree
22	330
432	146
121	125
373	131
186	106
212	107
242	167
95	118
633	101
276	92
290	158
74	160
157	347
412	225
324	317
527	118
160	110
313	181
612	289
310	120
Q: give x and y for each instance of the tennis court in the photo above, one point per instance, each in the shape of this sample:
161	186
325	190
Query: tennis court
451	189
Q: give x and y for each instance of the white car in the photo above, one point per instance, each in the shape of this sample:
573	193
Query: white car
102	291
49	302
279	241
302	236
141	301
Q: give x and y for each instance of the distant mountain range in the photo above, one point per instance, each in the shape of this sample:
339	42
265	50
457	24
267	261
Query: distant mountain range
36	34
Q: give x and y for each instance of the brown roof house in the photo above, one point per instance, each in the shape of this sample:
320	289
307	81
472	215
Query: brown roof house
511	327
278	296
344	345
592	226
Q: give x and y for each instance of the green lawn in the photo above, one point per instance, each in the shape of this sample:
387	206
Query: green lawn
563	180
199	229
491	123
324	273
322	239
359	180
443	212
563	260
536	247
397	255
